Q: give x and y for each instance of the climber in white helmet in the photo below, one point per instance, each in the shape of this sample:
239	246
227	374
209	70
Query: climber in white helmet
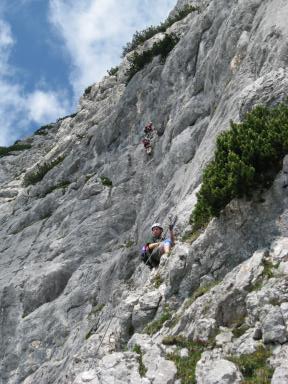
157	245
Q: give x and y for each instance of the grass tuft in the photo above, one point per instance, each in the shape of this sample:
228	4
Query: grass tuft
157	280
200	291
156	325
186	366
254	366
239	330
174	320
142	369
268	272
38	175
106	181
61	185
268	268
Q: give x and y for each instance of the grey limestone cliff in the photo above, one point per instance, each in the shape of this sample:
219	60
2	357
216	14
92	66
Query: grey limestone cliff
73	291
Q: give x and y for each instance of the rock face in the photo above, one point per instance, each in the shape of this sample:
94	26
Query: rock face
217	372
72	288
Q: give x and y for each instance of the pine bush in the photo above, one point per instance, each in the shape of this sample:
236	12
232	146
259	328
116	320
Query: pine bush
5	151
142	36
162	48
247	157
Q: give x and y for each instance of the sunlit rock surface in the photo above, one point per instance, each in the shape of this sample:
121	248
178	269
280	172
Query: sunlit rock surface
72	288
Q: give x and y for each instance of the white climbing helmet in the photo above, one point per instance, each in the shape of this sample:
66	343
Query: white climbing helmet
157	225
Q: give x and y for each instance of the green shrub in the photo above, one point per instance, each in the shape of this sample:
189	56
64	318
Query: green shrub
38	175
156	325
186	366
157	280
113	71
4	151
175	340
72	115
142	369
240	329
61	185
175	320
141	37
88	177
162	48
268	270
267	273
106	181
88	90
43	130
254	366
247	157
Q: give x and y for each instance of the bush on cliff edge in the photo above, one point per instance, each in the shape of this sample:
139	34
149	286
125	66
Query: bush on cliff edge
247	157
142	36
163	48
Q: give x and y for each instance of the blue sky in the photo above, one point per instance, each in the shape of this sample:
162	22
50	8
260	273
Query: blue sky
51	50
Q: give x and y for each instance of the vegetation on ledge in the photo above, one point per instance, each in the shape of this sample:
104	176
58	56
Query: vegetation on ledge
38	175
254	366
113	71
141	37
156	325
186	366
162	48
5	151
200	291
106	181
142	369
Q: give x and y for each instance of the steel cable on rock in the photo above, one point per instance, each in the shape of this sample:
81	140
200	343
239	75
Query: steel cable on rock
114	316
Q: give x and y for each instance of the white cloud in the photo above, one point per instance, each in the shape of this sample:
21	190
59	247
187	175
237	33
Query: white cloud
6	43
45	106
17	107
94	32
6	38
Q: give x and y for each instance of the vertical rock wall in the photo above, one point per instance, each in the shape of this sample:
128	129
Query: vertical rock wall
69	243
